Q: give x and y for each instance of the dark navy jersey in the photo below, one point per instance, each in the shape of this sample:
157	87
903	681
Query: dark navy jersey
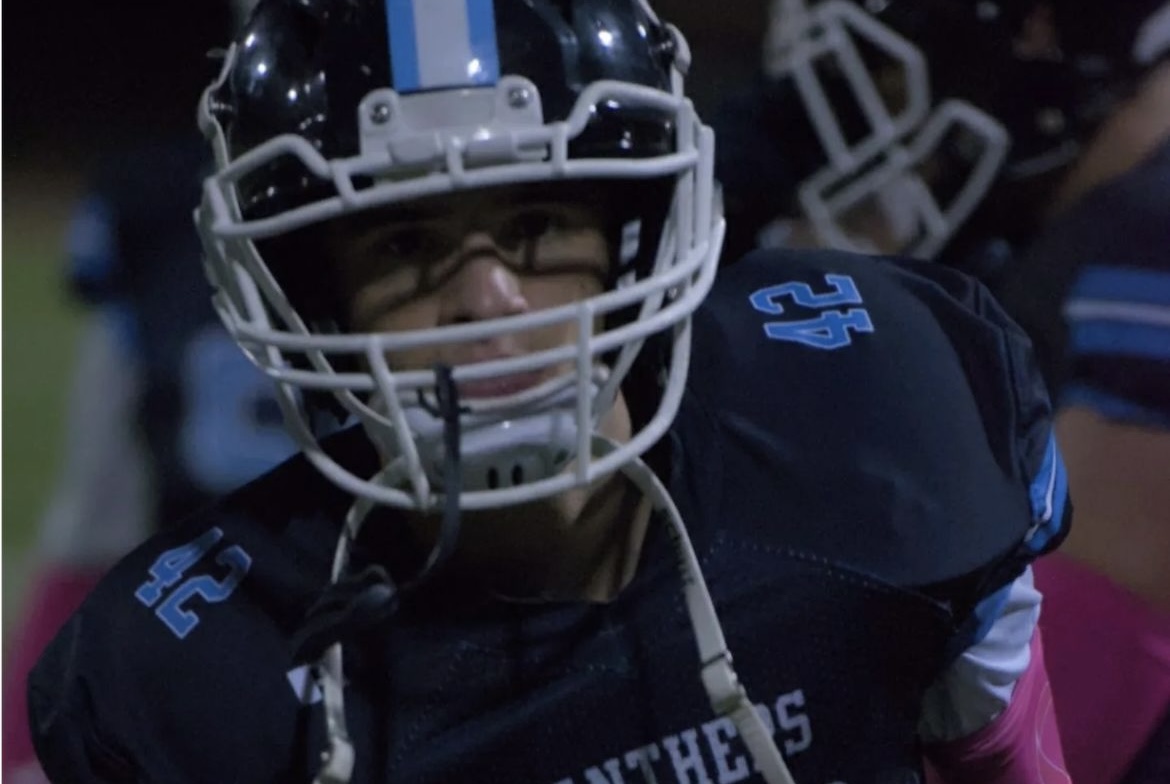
862	458
209	419
1094	292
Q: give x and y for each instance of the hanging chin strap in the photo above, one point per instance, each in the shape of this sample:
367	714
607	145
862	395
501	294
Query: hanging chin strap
727	695
448	396
364	600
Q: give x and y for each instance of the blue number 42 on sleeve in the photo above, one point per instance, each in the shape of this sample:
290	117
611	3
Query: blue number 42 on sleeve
170	567
831	329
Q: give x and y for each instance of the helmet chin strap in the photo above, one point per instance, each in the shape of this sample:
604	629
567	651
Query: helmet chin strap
508	443
376	597
726	694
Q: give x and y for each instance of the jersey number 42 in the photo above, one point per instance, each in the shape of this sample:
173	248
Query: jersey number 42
831	329
170	567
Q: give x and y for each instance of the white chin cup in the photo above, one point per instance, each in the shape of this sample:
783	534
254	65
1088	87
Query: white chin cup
503	447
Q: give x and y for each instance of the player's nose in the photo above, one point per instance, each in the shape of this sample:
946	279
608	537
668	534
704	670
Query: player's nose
484	286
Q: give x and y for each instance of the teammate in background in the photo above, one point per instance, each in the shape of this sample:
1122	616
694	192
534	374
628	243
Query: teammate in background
1093	290
933	129
1070	223
164	412
488	232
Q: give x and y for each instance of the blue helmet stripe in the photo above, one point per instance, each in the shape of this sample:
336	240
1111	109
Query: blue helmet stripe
403	49
481	29
442	43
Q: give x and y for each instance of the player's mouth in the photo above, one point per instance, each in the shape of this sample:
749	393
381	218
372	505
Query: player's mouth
501	386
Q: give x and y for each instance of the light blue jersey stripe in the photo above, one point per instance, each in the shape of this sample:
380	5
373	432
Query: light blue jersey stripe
1123	284
403	50
1048	495
1119	338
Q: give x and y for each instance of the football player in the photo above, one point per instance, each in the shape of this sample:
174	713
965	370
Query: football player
581	471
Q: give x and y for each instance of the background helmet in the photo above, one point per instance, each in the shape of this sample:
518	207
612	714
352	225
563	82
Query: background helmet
325	108
915	110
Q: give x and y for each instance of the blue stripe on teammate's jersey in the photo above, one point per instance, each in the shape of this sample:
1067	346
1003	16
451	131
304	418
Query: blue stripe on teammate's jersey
1123	284
442	43
1048	494
1118	337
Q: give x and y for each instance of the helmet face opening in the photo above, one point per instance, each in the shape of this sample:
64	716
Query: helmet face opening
307	133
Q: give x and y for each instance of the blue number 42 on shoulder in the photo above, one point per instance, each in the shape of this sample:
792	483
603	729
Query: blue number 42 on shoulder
171	567
832	329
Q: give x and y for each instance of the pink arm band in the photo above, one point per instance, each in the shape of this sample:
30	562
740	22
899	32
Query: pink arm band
1020	746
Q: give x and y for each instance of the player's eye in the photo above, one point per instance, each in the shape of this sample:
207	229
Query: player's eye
405	244
531	224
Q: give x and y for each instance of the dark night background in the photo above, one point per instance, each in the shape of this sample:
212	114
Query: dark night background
79	76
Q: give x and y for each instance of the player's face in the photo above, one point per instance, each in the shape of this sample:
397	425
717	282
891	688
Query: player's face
472	257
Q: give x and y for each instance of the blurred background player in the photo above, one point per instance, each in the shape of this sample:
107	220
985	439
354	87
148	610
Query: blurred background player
164	412
1028	142
925	128
1093	290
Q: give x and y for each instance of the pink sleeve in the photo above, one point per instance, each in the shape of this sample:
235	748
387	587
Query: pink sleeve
1020	746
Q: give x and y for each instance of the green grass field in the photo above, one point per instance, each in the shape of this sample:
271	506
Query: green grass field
39	332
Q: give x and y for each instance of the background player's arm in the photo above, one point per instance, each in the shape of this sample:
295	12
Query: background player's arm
989	718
